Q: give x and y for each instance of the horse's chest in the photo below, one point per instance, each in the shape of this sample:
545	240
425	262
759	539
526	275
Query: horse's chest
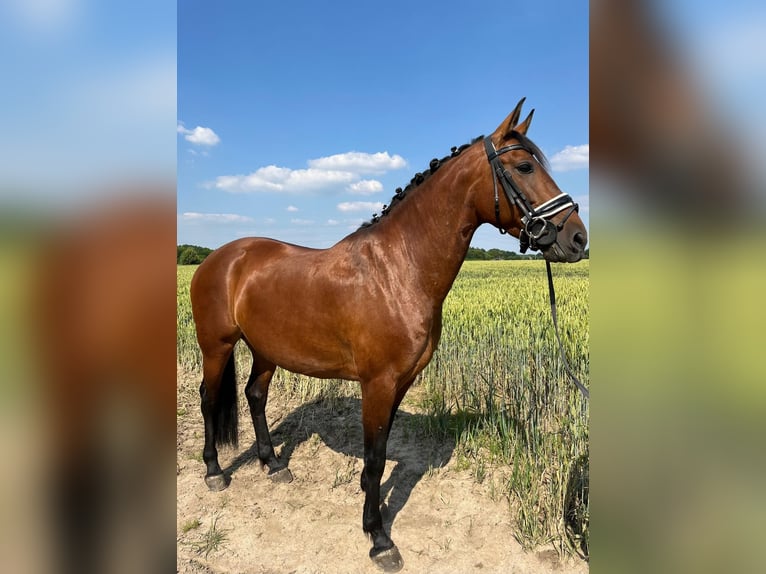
411	344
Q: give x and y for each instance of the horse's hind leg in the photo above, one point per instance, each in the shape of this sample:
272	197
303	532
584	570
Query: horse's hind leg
257	393
219	409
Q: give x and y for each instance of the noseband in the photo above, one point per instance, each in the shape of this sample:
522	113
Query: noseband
538	232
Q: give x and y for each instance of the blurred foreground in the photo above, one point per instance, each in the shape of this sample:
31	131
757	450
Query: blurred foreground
678	281
89	389
87	277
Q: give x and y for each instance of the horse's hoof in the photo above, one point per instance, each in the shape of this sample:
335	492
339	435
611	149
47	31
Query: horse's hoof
282	475
216	482
389	560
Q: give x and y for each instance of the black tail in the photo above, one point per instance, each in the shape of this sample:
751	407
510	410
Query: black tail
226	426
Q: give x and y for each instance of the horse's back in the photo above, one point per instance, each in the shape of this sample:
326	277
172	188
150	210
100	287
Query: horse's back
225	263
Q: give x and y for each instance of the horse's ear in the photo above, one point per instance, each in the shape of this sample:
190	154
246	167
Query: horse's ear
509	123
524	126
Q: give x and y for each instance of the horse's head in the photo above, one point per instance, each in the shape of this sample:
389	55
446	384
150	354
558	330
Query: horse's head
524	200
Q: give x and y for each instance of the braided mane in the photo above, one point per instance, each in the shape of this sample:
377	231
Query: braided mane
417	179
435	164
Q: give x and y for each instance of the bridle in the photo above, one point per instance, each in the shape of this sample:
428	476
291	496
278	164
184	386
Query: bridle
539	231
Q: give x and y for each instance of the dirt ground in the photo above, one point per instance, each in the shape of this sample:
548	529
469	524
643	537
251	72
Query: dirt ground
440	518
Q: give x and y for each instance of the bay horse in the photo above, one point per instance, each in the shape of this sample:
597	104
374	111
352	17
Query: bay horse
369	308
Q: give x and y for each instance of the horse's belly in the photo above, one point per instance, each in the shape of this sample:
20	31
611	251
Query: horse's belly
306	351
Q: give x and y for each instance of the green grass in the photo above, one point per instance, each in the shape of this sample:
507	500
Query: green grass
496	387
191	524
213	539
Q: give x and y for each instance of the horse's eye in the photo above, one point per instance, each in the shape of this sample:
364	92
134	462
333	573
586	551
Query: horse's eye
525	167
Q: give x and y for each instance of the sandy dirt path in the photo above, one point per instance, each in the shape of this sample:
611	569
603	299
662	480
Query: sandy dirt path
440	517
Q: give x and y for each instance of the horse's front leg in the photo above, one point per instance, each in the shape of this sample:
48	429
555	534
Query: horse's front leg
257	393
378	406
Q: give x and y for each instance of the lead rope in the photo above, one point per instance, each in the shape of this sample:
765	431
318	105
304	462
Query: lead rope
552	294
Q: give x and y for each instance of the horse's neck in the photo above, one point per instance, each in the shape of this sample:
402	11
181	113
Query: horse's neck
436	223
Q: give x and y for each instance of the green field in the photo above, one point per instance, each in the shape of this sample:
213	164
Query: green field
496	387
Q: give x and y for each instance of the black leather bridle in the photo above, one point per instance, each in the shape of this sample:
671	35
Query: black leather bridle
539	231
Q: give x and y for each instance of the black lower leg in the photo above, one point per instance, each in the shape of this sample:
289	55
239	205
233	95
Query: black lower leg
256	392
374	464
209	414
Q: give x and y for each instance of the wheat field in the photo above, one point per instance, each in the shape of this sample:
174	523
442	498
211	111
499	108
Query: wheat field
496	387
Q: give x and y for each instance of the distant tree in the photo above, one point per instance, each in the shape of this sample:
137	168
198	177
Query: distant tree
192	254
494	254
189	256
476	254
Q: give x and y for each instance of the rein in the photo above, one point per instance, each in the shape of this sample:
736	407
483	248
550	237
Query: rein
552	296
538	231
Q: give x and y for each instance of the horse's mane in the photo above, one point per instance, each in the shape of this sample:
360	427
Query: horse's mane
435	164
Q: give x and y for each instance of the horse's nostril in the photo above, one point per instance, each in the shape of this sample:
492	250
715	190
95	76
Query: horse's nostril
579	239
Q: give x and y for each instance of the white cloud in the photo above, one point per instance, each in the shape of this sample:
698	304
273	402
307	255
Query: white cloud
199	135
359	162
202	153
584	202
297	221
370	206
333	222
292	208
340	172
215	217
282	179
571	157
365	187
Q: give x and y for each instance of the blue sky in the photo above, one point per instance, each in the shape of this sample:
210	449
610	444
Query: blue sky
298	120
90	95
88	98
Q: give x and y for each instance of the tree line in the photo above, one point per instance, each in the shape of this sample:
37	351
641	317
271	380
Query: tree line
479	254
191	254
194	254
